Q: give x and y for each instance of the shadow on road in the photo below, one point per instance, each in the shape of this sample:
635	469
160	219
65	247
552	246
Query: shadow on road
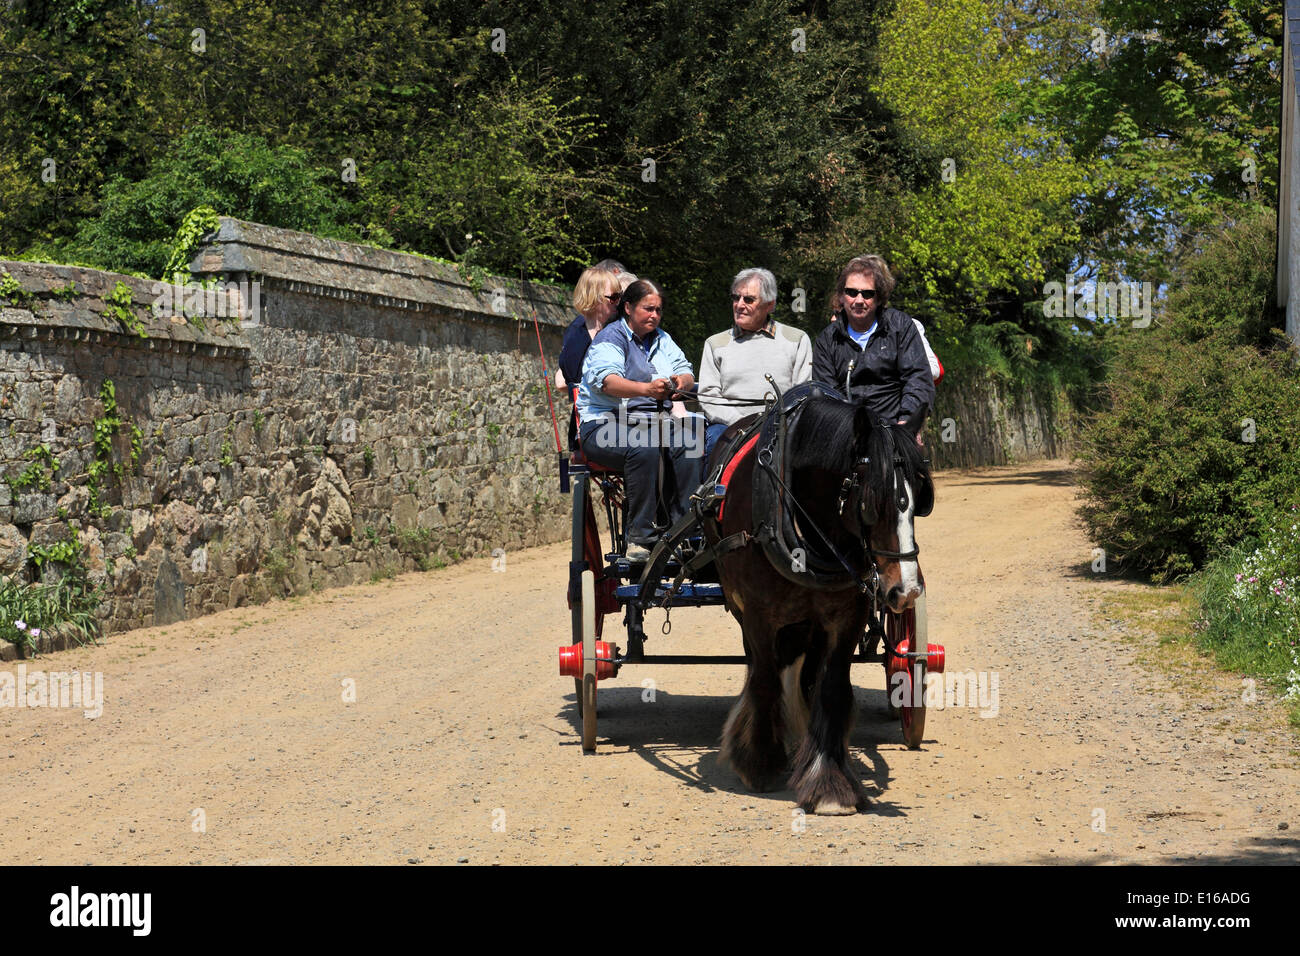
680	734
1060	477
1254	851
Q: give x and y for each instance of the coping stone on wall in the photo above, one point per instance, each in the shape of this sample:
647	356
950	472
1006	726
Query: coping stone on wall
394	279
83	318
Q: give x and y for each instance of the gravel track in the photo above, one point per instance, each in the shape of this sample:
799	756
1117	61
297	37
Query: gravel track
462	746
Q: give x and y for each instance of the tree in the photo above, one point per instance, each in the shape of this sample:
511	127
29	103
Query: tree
1176	106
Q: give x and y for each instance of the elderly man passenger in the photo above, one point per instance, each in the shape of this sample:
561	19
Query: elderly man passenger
736	361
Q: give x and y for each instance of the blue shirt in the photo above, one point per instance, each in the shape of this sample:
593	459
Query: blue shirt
860	337
615	351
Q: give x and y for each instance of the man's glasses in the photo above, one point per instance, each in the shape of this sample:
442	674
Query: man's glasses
749	299
867	294
614	297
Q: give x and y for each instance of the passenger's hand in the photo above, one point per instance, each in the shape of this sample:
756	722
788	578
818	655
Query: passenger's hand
660	388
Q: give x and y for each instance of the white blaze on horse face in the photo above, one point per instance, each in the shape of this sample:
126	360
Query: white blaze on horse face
908	570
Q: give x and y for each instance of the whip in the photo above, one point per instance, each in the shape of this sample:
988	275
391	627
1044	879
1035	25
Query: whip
555	424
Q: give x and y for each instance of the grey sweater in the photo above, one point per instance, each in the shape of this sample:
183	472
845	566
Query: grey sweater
735	362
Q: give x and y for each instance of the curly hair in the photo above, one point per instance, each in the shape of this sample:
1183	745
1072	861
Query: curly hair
878	269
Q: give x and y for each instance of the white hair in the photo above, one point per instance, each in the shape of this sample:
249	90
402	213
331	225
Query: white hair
766	283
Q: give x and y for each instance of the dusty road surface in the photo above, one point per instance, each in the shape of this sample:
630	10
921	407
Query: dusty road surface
230	739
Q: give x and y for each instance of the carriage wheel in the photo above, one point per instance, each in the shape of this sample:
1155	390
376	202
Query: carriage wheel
912	715
889	624
587	686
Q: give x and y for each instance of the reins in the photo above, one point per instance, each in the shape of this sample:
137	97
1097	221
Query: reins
853	481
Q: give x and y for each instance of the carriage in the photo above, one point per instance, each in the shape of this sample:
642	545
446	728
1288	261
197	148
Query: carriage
682	571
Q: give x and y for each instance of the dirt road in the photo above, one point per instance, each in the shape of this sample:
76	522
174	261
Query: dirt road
233	738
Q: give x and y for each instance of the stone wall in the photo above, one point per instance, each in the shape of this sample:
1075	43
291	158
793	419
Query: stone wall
366	413
977	421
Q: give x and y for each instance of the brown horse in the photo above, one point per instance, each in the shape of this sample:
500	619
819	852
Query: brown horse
850	487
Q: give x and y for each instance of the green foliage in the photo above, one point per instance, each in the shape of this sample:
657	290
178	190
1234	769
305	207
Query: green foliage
64	609
1004	206
67	550
1200	439
1167	104
492	189
12	289
103	429
1228	284
794	152
150	224
414	541
279	563
197	223
79	101
1250	607
65	293
39	473
120	306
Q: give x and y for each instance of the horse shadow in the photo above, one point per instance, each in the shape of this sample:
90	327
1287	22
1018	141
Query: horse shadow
681	735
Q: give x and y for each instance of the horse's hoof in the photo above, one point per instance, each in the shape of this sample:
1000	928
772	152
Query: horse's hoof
829	808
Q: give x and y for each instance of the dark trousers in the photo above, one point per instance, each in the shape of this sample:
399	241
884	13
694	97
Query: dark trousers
634	446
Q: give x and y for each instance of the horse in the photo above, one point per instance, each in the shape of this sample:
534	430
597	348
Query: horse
851	487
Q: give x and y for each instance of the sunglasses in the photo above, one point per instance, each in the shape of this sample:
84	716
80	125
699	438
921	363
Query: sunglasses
749	299
867	294
614	296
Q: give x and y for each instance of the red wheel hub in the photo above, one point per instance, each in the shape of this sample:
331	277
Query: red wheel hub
571	660
934	659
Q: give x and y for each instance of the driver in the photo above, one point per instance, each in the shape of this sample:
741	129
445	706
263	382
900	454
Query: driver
874	353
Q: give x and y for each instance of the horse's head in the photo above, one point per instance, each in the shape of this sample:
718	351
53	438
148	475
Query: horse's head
883	483
889	488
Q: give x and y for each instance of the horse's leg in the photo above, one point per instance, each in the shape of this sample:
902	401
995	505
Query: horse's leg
821	778
799	648
753	736
795	705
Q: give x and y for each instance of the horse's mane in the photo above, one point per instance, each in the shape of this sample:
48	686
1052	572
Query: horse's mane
824	437
831	435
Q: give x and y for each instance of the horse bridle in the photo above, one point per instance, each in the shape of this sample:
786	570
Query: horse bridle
850	483
856	482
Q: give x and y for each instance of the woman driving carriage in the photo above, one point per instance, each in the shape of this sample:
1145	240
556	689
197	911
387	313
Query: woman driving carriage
628	378
874	353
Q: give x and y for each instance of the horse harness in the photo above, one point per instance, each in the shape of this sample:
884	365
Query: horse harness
782	538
